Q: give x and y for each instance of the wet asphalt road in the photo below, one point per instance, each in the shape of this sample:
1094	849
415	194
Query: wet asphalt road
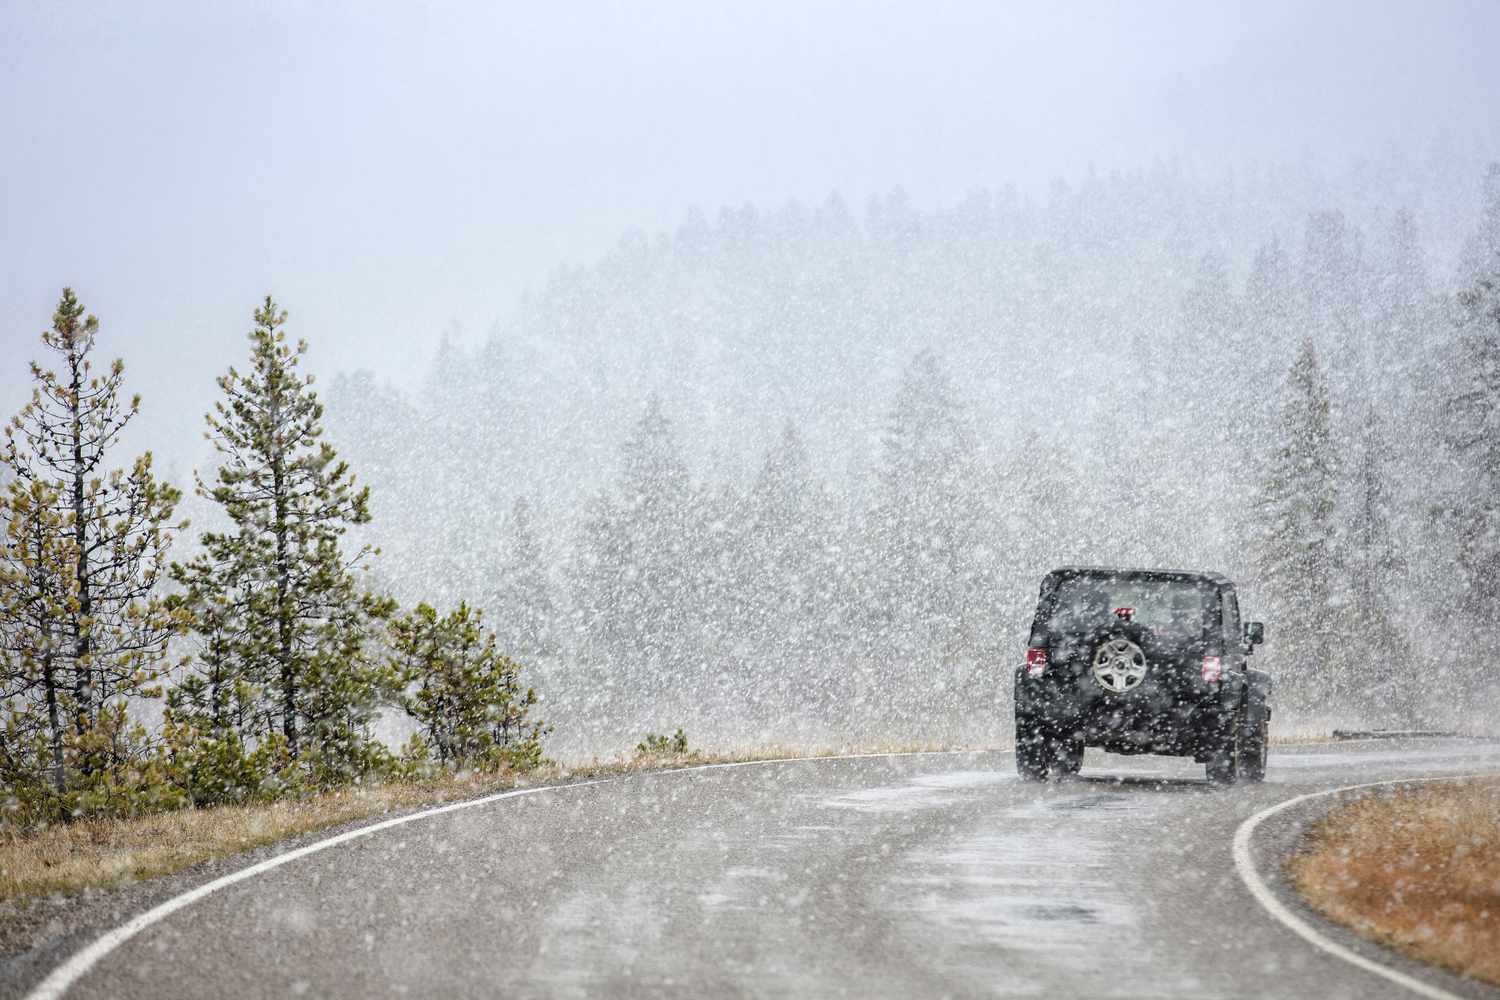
917	876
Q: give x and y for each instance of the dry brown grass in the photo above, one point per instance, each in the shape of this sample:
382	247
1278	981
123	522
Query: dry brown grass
106	853
1417	868
87	854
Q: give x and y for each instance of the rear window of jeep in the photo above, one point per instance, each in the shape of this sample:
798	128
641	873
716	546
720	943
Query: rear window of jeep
1169	607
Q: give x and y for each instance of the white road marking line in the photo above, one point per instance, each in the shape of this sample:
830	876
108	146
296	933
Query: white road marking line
1267	899
69	972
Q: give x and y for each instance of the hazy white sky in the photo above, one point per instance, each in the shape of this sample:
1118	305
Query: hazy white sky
389	169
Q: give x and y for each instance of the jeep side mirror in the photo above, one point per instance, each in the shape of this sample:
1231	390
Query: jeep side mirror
1255	633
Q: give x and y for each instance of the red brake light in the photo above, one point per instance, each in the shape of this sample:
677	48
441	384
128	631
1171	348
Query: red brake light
1036	661
1213	668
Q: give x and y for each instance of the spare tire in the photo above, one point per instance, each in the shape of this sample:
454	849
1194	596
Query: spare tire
1117	656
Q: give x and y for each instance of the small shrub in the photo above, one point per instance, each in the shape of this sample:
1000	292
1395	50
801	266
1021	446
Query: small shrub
657	745
466	697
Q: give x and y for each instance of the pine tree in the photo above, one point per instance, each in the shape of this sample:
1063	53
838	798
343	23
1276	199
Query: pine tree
716	593
1481	255
597	578
1037	506
465	696
1269	311
1268	294
1471	507
1402	285
1215	354
277	607
926	518
1297	542
1333	309
1375	567
784	576
101	641
1373	560
1213	343
1401	321
216	728
458	462
638	537
37	566
523	600
376	428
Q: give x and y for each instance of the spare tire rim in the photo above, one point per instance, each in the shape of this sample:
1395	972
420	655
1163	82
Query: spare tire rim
1119	665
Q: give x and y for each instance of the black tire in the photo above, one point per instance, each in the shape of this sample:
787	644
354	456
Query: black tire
1070	757
1254	749
1042	756
1223	767
1032	760
1033	753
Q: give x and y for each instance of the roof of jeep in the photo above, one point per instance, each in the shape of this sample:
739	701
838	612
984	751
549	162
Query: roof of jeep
1217	579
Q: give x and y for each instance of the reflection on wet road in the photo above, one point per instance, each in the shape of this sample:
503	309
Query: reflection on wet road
921	875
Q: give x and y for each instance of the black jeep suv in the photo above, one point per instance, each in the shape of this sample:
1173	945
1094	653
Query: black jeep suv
1141	661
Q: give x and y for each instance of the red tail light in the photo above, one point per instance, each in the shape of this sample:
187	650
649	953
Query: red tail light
1213	669
1036	662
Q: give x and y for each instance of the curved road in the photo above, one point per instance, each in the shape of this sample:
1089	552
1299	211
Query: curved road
922	875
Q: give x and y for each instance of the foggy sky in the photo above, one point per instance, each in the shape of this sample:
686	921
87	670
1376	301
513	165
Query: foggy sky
389	173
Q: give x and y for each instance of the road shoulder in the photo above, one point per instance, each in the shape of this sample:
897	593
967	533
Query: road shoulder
1267	841
1416	868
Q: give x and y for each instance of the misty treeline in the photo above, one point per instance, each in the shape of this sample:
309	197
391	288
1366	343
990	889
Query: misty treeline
268	657
783	477
796	474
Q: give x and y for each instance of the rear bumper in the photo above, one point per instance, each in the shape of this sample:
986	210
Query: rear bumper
1189	718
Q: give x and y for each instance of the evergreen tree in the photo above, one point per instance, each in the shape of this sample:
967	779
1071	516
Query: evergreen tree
1037	507
1268	293
1215	354
638	581
1373	560
459	434
523	599
379	426
87	648
716	593
218	731
638	538
219	696
1402	287
1482	250
787	312
783	575
1471	507
1402	321
597	578
1297	540
1332	304
278	612
1211	347
465	696
37	565
1375	566
793	586
925	522
1269	318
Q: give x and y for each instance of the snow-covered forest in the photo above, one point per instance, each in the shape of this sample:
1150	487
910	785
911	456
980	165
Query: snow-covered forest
793	473
782	479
